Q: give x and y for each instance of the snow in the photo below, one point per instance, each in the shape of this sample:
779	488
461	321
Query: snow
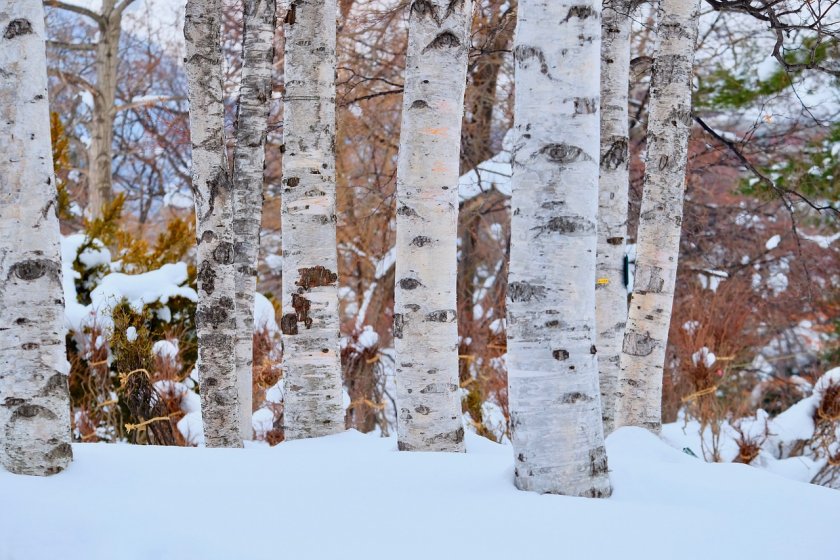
824	241
131	334
166	349
291	501
773	242
264	314
141	289
704	356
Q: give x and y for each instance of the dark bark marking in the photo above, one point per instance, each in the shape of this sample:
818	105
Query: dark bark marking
616	155
565	225
580	11
288	324
439	388
523	291
422	409
615	240
399	322
598	461
585	105
441	316
419	104
563	154
412	307
409	284
224	253
315	277
293	181
30	345
560	354
17	27
291	15
31	411
523	53
444	40
420	241
207	277
649	279
33	269
574	397
407	211
637	344
301	306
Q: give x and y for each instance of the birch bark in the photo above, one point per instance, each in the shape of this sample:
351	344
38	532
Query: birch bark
34	399
248	165
660	220
425	327
311	354
100	153
555	402
212	188
610	291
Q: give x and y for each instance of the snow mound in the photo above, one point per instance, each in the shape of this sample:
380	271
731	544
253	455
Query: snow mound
262	503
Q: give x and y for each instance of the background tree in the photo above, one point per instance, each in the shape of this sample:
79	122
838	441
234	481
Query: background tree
660	218
35	410
614	187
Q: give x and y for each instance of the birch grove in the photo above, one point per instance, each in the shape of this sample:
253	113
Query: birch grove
248	164
425	327
34	399
555	405
660	220
311	357
212	189
610	290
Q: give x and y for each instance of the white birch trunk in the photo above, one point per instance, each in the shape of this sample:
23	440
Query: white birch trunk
610	291
100	152
425	328
215	312
310	323
34	398
248	165
555	402
658	240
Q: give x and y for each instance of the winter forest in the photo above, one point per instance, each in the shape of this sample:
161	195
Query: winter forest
419	279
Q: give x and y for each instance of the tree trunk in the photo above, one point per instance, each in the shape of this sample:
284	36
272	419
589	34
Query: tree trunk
100	154
215	312
310	323
658	239
248	165
555	402
34	398
610	291
425	328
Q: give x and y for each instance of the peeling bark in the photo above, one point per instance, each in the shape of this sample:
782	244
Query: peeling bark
34	398
212	188
310	325
248	165
658	239
555	402
428	403
614	184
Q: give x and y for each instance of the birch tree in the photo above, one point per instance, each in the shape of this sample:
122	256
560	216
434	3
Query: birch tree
555	403
425	327
212	188
310	324
660	220
108	20
248	165
610	292
34	399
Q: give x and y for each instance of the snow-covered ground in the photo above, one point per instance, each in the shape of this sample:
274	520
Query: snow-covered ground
354	496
